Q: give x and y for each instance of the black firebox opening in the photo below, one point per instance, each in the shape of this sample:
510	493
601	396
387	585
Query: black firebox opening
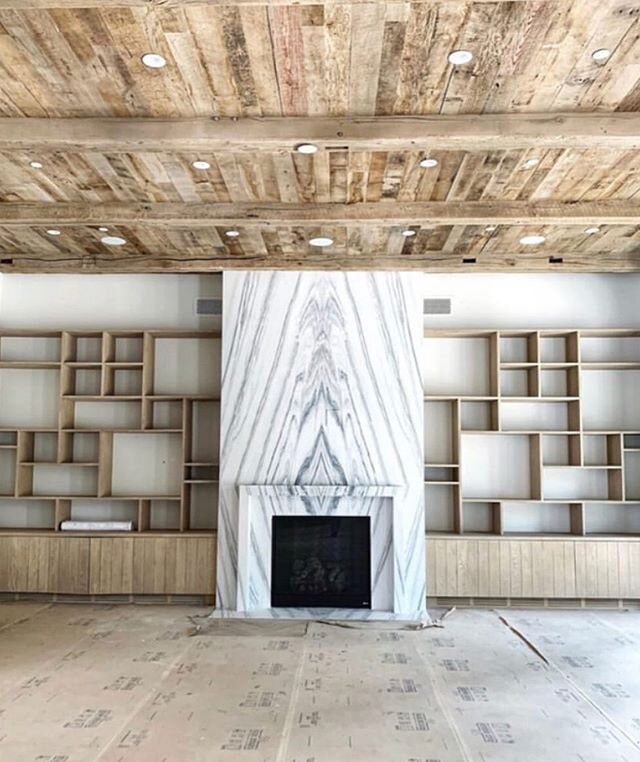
321	561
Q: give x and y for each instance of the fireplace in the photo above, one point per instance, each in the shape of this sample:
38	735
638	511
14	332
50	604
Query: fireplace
321	561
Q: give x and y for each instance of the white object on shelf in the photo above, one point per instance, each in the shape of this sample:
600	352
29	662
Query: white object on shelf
97	526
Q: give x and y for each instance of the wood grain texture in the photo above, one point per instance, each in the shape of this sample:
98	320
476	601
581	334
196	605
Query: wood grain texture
44	565
533	568
406	213
370	83
223	60
111	566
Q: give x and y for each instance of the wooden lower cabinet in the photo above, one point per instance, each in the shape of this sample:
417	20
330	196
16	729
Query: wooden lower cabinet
162	565
534	568
44	564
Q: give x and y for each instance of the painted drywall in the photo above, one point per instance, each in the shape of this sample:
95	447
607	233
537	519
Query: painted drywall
547	300
105	301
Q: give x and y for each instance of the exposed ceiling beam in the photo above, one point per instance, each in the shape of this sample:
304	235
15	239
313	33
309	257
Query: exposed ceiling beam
44	4
383	213
432	261
384	133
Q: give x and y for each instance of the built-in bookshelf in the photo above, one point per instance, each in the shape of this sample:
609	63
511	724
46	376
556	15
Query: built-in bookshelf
109	425
532	432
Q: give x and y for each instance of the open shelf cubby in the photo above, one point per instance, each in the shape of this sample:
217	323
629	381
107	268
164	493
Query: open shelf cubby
532	432
109	425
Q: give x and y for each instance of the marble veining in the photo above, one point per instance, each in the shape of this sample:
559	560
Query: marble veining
322	387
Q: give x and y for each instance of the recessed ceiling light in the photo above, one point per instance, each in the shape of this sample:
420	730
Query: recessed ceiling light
113	240
200	164
529	163
232	233
592	231
532	240
307	148
428	163
601	54
103	230
53	231
460	57
321	241
154	60
408	233
36	164
491	228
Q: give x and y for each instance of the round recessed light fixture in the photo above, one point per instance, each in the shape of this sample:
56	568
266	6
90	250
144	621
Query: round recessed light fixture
601	54
529	163
307	148
491	228
408	233
36	164
532	240
113	240
321	241
53	231
428	163
200	164
460	57
103	229
592	231
232	233
154	60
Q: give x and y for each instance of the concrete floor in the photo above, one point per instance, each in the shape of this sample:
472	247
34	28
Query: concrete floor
132	683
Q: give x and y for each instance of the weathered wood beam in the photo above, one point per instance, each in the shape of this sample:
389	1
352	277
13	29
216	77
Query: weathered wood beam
19	5
384	133
432	261
384	213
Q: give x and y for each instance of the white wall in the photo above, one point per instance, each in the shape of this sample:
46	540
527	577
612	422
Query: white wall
105	301
536	301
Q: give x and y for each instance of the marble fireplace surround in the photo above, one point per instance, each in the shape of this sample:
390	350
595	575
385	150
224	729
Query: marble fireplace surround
259	503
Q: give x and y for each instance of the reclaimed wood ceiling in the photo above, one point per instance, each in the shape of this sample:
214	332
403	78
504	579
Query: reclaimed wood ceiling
65	61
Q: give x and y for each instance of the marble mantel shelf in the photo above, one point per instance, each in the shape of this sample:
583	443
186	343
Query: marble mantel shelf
320	490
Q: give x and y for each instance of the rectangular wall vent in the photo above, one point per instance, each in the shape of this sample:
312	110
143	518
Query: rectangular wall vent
206	305
437	307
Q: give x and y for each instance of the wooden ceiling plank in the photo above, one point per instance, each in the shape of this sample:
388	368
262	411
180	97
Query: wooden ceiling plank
476	132
47	4
172	215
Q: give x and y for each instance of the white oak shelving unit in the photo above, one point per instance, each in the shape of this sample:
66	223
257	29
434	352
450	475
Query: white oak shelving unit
533	432
85	416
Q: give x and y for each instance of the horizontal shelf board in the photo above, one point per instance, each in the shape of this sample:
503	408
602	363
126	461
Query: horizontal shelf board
435	465
201	481
123	364
437	482
117	431
28	365
102	397
512	432
79	365
454	397
8	446
199	463
550	365
589	466
180	397
610	366
8	531
56	463
140	497
517	365
538	399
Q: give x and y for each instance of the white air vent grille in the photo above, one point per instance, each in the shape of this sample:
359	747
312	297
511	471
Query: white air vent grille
440	306
208	306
